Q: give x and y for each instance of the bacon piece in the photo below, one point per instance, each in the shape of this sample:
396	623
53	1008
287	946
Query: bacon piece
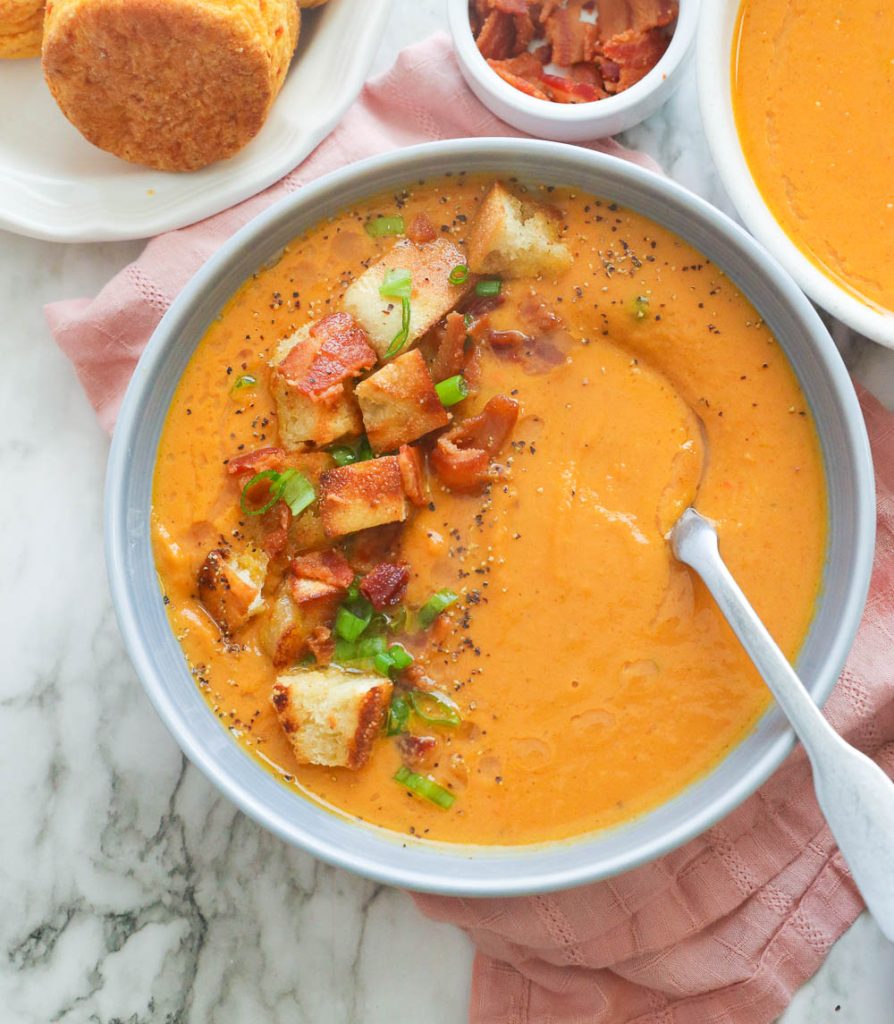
611	73
572	40
543	53
619	16
525	31
325	566
636	53
536	312
338	349
321	644
586	72
517	82
525	65
461	458
417	751
510	6
479	305
385	585
274	526
374	545
537	354
566	90
412	474
421	229
451	355
496	40
258	461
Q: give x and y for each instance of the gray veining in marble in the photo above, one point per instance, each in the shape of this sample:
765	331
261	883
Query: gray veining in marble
132	892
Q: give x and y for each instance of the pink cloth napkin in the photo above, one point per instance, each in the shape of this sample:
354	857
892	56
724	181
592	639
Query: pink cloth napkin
723	930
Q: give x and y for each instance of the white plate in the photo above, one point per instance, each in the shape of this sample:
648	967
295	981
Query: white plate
56	186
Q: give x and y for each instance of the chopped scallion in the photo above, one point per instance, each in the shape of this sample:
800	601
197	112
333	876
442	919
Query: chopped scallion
296	491
424	787
452	390
640	307
397	284
382	227
273	493
400	339
398	715
343	455
247	380
459	274
436	604
434	708
489	286
350	623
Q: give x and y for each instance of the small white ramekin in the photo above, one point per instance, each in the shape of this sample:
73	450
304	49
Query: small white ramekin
572	122
715	50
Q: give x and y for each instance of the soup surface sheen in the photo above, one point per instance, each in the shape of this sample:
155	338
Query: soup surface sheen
594	674
812	88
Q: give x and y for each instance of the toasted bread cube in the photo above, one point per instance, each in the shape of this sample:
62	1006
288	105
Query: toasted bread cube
513	238
331	717
429	264
304	419
285	632
399	403
231	585
362	495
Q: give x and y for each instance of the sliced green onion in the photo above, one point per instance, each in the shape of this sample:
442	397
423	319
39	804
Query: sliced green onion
381	227
370	646
400	657
398	715
267	474
349	624
247	380
396	619
343	455
397	284
468	320
488	287
400	339
424	787
452	390
296	491
459	274
434	708
640	307
436	604
364	450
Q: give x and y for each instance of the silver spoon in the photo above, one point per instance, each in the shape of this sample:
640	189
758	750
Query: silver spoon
854	794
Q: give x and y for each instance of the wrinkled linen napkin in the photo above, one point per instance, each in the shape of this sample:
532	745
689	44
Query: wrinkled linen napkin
723	930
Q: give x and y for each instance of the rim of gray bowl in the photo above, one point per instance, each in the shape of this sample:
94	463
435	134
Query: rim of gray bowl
400	860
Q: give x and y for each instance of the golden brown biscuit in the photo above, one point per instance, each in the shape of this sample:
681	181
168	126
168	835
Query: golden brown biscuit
173	84
21	28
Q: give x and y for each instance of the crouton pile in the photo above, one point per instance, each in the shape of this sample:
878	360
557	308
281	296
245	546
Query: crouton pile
371	400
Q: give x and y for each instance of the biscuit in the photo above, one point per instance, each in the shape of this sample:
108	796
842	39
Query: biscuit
171	84
21	28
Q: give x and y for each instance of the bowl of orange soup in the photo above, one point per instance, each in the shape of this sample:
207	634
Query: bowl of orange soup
795	100
387	505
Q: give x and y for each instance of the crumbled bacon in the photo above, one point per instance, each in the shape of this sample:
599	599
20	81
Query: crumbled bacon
636	53
496	40
450	357
572	40
566	90
342	351
321	644
417	751
516	81
536	312
420	229
374	545
588	73
619	16
258	461
538	353
510	6
479	305
525	31
461	457
412	475
328	566
274	526
385	585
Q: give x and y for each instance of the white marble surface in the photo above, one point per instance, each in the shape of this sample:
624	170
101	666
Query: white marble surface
132	892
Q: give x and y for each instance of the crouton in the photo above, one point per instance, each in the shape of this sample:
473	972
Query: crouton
230	586
362	495
399	403
515	238
306	600
331	717
307	416
429	265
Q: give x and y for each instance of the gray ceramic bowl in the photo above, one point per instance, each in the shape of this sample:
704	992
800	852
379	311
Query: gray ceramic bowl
397	859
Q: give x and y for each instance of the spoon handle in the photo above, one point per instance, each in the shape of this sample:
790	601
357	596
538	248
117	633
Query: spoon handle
855	795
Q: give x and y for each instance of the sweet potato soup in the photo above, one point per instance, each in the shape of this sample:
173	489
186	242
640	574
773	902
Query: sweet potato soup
411	501
812	88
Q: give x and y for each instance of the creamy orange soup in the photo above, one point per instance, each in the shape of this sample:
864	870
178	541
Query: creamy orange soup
593	675
812	88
